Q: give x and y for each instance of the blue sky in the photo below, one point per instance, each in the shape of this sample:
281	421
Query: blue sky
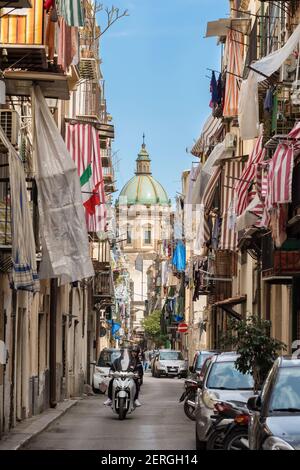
154	65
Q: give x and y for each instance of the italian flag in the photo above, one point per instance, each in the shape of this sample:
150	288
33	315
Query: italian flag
90	194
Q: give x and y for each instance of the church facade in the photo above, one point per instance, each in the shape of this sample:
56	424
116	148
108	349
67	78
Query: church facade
143	214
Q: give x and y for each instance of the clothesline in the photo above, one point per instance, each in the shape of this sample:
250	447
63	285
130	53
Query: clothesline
225	71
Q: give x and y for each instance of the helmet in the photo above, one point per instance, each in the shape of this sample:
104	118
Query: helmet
136	349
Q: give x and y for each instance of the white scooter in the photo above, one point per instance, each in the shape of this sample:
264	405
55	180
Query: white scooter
123	393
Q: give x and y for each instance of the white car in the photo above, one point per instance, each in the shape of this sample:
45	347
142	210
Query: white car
169	363
102	367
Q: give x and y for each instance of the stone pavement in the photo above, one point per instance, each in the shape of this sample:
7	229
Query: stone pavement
24	431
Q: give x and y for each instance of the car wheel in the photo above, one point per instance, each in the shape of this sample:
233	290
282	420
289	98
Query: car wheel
200	445
216	440
237	440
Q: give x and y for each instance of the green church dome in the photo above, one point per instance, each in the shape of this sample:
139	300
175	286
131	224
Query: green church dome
143	188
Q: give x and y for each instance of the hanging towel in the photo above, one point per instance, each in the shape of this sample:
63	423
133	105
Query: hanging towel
24	274
63	230
179	257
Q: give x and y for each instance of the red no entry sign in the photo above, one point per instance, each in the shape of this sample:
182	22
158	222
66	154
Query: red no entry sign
182	328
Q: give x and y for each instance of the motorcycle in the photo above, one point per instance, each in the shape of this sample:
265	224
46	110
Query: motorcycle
236	437
189	397
123	393
230	428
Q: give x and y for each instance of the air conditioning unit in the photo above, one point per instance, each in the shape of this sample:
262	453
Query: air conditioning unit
288	70
10	123
230	141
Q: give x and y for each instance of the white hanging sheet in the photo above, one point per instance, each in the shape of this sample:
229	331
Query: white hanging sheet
62	221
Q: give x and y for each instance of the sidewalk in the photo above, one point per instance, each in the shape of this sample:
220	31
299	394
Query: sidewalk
31	427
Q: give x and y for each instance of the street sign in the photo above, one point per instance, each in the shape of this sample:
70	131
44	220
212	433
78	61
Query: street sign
182	328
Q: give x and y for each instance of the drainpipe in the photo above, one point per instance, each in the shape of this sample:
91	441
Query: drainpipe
13	359
53	328
258	274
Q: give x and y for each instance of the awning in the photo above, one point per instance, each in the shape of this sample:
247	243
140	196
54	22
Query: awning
52	85
227	305
250	216
222	26
206	172
232	170
16	4
210	129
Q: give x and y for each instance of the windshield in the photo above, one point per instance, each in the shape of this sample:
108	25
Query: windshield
224	376
201	359
286	392
108	357
171	356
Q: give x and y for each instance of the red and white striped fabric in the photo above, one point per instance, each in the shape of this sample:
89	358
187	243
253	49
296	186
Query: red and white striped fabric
231	172
234	56
295	132
248	176
83	144
281	175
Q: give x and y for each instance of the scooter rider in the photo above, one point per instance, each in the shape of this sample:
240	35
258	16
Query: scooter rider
130	364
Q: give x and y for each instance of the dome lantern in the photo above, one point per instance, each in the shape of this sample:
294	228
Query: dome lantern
143	162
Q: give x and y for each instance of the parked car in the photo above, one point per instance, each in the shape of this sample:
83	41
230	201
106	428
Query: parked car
169	363
275	421
100	376
221	382
199	359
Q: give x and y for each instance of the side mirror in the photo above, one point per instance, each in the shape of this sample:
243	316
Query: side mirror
191	369
93	363
254	403
200	383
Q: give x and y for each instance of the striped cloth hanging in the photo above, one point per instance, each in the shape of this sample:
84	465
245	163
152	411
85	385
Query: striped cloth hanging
247	177
203	232
72	11
281	175
234	56
231	171
83	144
24	271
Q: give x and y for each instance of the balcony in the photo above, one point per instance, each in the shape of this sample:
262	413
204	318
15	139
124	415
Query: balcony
103	286
5	215
108	173
280	265
106	155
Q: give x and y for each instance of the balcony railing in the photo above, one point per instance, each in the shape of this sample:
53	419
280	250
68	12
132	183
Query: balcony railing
108	171
280	263
103	284
105	153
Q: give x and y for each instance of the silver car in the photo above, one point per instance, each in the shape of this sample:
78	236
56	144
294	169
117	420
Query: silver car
102	367
221	381
169	363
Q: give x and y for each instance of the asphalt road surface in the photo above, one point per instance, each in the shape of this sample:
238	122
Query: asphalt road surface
160	424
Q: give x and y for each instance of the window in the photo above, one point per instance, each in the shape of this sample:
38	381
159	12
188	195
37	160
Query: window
224	376
129	235
171	356
147	236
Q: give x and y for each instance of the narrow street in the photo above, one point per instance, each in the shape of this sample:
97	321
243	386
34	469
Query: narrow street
159	424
